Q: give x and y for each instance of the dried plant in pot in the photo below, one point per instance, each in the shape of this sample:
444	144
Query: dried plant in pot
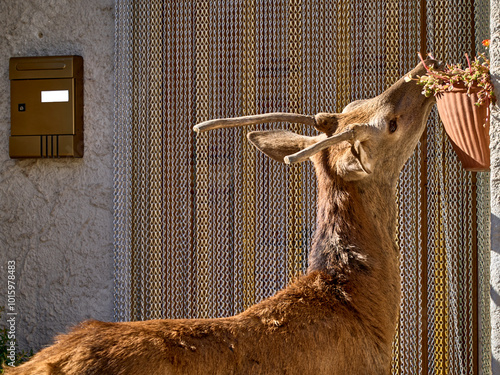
463	97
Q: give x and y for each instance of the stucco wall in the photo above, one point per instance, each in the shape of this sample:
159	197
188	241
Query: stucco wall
56	215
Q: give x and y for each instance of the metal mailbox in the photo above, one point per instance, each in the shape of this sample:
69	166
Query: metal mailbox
46	109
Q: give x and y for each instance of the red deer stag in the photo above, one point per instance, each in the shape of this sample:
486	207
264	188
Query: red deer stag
338	318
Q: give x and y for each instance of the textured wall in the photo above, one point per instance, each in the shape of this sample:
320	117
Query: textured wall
495	189
56	215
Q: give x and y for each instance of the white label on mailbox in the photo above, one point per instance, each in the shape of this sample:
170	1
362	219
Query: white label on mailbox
55	96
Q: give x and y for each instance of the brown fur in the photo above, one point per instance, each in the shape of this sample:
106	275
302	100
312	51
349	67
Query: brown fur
339	318
310	316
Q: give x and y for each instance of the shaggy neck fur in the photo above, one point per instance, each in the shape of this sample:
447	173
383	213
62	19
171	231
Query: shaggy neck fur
348	221
355	243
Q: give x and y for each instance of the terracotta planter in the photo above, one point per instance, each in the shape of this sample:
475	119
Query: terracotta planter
467	127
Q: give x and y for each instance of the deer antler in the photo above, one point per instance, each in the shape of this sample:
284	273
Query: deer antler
318	146
355	134
254	119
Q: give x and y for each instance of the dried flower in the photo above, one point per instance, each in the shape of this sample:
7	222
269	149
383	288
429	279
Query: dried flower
475	75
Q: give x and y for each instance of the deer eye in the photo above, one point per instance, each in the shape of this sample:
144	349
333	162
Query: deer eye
393	126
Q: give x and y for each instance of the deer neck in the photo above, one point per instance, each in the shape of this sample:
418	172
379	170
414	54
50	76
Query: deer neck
355	236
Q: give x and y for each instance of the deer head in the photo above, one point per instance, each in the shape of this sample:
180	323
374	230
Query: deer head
371	139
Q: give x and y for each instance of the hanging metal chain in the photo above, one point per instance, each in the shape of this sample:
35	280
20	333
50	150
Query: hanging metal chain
484	246
204	283
345	43
391	33
294	214
401	36
140	228
482	31
122	148
155	291
178	138
249	158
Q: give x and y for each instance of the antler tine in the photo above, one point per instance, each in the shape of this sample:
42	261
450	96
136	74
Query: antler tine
354	132
318	146
254	119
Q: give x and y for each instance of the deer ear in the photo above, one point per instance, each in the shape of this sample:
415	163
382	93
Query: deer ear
360	152
280	143
356	163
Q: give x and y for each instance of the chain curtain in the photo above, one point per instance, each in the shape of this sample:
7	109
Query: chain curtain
206	226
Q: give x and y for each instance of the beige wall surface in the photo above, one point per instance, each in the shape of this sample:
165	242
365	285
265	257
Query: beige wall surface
56	218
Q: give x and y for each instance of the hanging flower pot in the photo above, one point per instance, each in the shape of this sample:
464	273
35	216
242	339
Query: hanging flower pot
463	97
467	125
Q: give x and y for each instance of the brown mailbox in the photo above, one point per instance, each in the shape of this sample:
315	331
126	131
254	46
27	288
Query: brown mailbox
46	106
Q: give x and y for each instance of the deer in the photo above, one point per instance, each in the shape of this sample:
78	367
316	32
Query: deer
340	316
